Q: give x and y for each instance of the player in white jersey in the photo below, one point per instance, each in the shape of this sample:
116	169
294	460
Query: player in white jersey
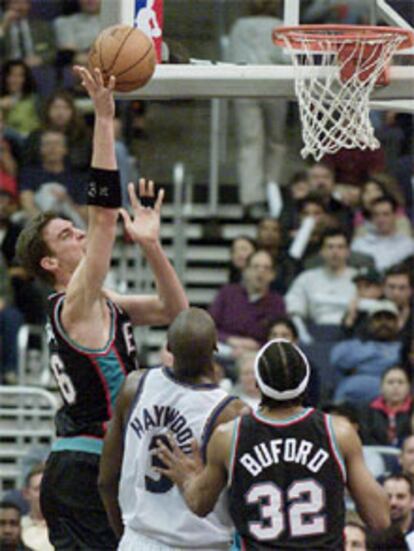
144	507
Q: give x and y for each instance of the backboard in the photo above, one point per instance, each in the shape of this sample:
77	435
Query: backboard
229	80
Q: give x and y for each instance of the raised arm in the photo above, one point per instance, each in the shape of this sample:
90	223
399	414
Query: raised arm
144	229
111	458
84	288
369	497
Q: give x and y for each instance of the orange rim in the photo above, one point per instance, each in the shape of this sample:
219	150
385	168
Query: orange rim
316	35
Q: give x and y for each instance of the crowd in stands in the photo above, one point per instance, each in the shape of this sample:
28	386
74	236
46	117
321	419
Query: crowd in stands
333	271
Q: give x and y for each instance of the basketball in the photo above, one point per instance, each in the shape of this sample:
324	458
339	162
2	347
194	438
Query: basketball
125	52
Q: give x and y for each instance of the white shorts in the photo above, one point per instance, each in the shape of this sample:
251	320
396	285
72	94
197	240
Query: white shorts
133	541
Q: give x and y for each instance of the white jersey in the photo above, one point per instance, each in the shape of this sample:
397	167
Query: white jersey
150	503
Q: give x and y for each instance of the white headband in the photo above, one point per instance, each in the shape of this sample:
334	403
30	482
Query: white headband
272	392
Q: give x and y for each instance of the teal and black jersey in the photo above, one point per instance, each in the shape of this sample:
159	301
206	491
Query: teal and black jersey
89	380
286	483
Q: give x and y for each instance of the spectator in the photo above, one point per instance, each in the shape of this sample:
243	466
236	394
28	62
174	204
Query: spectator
385	244
244	311
260	122
376	187
398	288
407	457
61	114
336	11
17	97
293	194
355	166
269	238
369	292
241	248
29	296
34	528
8	164
321	295
75	33
10	528
355	537
400	493
26	38
322	180
362	361
246	388
387	418
34	180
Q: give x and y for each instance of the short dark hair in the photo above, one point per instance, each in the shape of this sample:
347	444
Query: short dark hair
313	198
399	269
282	367
392	368
297	177
400	476
385	199
334	232
31	246
5	504
284	320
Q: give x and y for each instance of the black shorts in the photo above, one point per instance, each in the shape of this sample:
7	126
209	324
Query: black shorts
71	504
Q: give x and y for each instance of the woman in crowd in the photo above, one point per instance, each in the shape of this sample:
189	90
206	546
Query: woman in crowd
18	98
60	113
241	248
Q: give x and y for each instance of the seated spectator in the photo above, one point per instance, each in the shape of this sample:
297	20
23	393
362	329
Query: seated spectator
400	493
29	295
27	38
246	388
34	528
369	293
385	244
8	164
75	33
387	418
398	288
244	311
61	114
38	189
355	537
241	248
376	187
361	362
407	457
269	238
18	99
322	180
10	528
354	166
322	295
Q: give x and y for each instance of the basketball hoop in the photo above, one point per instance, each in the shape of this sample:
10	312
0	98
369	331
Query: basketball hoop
336	70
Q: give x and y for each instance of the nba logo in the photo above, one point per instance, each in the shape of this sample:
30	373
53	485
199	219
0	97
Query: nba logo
149	19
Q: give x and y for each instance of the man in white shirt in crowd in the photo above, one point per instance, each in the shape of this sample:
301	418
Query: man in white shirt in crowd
34	527
385	244
321	295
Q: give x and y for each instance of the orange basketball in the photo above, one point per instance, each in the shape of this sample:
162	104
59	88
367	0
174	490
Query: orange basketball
125	52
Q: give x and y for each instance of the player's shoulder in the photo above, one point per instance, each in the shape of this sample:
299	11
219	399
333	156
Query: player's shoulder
344	433
234	408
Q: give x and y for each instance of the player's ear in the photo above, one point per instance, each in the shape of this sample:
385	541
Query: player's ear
49	263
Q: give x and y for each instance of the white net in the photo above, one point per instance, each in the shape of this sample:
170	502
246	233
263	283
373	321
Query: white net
334	78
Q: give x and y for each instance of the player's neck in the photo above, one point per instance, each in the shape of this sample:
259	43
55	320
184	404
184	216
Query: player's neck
281	413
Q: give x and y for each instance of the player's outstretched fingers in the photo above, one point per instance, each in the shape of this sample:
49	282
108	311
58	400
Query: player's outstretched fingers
111	83
133	196
142	187
98	77
160	199
150	188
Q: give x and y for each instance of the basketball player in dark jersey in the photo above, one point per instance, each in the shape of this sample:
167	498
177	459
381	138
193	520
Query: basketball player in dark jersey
90	329
286	466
